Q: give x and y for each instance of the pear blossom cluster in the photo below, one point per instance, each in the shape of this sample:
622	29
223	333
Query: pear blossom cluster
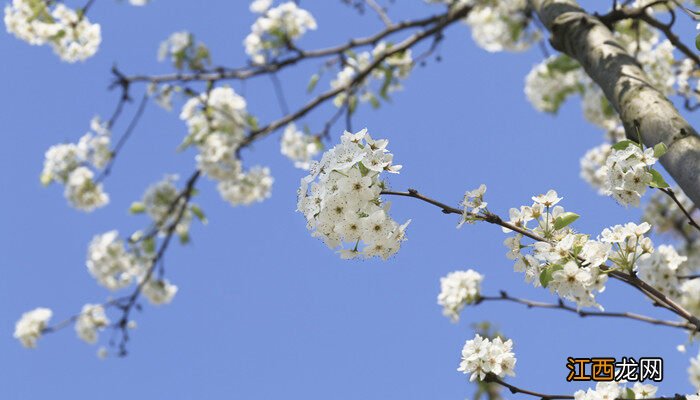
473	205
159	291
109	261
300	147
482	356
275	29
568	263
661	270
694	372
31	325
458	289
687	82
341	203
91	320
72	165
550	82
183	51
394	67
162	202
628	173
629	245
252	186
690	296
592	170
616	390
71	35
501	25
216	122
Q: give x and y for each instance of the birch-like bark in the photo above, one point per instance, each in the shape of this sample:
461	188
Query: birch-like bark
583	37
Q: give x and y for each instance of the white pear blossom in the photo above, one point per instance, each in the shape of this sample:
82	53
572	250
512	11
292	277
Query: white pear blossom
690	296
694	372
219	110
629	245
661	268
299	147
457	290
591	166
162	202
473	203
550	82
340	198
159	291
176	43
91	319
644	391
109	262
627	173
68	163
567	263
277	26
31	325
602	391
499	25
182	51
481	356
254	185
388	74
70	34
260	6
82	192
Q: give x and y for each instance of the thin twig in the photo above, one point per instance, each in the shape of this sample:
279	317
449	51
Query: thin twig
560	305
672	195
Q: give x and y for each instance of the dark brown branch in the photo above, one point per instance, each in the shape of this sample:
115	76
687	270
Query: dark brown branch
300	55
517	390
656	296
672	195
446	20
560	305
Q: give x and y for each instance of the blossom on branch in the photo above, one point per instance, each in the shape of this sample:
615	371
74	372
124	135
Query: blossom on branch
340	198
481	356
457	290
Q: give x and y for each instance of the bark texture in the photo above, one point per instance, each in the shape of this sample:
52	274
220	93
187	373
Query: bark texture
583	37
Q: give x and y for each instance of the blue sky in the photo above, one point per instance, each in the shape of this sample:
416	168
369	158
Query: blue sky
264	310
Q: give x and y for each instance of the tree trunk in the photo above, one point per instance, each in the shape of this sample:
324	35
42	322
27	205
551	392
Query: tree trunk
586	39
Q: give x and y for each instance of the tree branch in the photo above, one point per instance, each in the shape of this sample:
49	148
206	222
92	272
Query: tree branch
560	305
656	296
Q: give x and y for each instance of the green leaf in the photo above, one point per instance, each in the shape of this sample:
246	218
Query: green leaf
363	170
546	275
184	237
660	149
312	83
624	144
137	207
565	219
629	393
657	181
388	77
198	213
252	121
352	104
149	245
697	42
563	64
